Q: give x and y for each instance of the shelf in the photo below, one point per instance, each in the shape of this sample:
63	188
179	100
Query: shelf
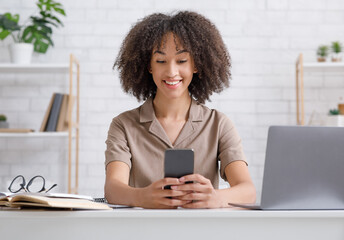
73	70
35	134
34	68
324	66
302	67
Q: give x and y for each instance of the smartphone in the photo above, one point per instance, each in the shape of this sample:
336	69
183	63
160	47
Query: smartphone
178	163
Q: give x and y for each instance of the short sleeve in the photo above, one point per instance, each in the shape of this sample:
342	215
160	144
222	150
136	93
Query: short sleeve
230	146
117	148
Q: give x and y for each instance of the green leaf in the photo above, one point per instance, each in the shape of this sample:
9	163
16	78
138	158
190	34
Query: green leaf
41	47
60	11
39	6
40	36
57	20
58	8
14	18
4	34
28	34
8	24
50	19
42	43
48	5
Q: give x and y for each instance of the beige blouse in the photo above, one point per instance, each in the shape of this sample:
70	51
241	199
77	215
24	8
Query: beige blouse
136	138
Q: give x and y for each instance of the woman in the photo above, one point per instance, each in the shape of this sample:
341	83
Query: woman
174	62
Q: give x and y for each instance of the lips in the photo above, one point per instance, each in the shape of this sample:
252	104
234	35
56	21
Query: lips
172	83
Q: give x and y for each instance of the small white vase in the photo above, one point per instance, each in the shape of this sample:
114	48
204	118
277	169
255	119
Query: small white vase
4	124
335	120
21	53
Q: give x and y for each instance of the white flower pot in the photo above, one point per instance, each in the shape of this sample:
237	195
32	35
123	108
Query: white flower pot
335	120
4	124
21	53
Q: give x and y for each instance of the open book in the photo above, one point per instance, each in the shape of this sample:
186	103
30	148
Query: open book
47	200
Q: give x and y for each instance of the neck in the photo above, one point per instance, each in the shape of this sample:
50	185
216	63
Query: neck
176	109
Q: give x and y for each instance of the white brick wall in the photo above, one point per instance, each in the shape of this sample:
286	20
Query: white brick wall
264	38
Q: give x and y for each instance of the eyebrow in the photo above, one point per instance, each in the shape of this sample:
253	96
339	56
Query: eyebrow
179	52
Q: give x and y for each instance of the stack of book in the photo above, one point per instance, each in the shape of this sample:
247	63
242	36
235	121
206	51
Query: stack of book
56	116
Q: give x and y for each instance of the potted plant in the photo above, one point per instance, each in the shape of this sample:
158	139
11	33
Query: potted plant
36	32
322	53
336	51
334	118
3	123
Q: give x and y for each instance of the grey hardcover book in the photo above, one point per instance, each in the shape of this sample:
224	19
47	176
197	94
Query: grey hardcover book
54	113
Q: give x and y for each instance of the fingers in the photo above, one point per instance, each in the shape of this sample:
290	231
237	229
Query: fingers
183	194
173	202
196	178
200	184
167	181
190	187
196	204
169	193
200	193
193	196
161	192
170	198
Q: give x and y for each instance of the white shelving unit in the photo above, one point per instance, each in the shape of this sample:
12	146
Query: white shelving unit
301	67
73	68
324	66
35	134
38	68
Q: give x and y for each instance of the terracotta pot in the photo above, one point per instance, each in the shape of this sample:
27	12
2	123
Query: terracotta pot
336	57
321	59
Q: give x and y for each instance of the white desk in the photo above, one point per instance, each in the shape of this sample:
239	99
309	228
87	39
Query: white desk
172	224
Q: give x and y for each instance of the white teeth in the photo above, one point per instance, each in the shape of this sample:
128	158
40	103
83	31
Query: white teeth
172	83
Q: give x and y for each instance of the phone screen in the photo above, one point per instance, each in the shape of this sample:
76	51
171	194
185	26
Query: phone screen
178	163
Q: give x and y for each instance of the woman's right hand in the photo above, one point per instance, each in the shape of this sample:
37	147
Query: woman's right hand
155	196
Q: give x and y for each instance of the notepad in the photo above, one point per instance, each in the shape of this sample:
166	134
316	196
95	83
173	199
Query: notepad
51	201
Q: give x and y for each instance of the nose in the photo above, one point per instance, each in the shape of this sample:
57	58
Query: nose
172	70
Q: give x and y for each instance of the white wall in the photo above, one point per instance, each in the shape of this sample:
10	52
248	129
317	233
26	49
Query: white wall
264	38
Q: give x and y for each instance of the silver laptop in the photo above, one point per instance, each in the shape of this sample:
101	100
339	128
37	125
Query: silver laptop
304	169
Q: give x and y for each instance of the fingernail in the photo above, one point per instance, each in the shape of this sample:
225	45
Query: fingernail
174	187
181	179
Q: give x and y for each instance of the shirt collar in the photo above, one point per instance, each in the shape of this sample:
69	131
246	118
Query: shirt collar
147	113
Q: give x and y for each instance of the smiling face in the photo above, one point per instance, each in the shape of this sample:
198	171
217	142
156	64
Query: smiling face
172	68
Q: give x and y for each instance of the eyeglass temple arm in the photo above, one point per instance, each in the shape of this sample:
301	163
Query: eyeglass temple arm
51	187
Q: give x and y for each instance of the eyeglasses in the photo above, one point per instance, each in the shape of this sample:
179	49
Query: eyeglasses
36	184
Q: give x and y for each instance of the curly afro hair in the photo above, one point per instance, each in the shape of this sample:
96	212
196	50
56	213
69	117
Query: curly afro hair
195	33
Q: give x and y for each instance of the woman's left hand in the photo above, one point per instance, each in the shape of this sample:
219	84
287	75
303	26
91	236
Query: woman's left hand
201	192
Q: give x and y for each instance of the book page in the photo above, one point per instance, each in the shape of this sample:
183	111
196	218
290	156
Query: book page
26	200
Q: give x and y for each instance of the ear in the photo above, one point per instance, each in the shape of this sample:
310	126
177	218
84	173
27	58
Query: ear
195	70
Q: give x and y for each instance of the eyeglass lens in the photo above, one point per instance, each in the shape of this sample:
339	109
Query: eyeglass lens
36	184
17	184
